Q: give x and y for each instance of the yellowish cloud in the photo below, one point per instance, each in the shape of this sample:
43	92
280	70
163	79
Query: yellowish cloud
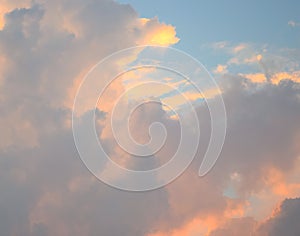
275	78
259	57
255	77
177	100
164	36
294	76
144	21
221	69
3	10
158	33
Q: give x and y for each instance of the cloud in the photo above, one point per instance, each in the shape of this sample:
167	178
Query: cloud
236	227
285	219
293	23
48	46
157	33
7	6
239	48
221	69
247	153
259	63
275	78
59	57
283	222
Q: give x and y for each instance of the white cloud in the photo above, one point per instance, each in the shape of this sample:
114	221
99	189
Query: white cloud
293	23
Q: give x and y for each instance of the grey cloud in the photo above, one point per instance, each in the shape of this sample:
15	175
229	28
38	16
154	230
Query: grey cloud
46	190
256	141
262	130
285	221
44	58
236	227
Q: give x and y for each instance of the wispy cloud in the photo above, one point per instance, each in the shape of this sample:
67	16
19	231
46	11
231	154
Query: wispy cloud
293	23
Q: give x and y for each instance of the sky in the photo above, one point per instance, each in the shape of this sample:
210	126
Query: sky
200	22
195	105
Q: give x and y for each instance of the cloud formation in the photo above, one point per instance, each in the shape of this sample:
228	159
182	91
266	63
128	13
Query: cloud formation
46	47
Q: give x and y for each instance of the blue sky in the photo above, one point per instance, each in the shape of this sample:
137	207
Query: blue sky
263	27
201	22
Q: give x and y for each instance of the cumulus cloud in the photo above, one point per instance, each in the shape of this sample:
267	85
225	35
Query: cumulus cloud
45	59
157	33
247	153
47	47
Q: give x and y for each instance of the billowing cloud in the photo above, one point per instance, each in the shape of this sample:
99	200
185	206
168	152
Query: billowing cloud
45	60
48	46
157	33
248	166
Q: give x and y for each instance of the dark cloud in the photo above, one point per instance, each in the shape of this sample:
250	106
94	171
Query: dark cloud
285	221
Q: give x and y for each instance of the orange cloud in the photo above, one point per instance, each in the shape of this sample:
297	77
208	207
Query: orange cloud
259	57
158	33
164	36
3	10
255	77
197	226
275	79
279	184
235	209
294	76
221	69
